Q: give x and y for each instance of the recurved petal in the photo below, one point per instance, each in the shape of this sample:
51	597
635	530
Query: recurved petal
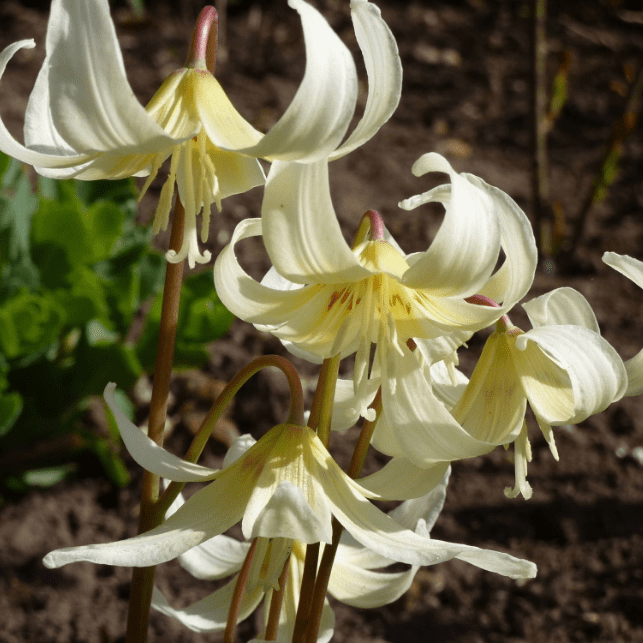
58	154
301	231
216	558
384	70
560	307
91	102
424	430
364	588
465	250
514	278
149	454
400	479
379	532
320	113
211	613
246	298
208	513
568	372
628	266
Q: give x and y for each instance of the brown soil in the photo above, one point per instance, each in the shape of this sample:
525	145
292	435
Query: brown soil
466	95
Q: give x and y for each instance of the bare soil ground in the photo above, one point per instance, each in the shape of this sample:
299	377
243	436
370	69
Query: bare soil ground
466	95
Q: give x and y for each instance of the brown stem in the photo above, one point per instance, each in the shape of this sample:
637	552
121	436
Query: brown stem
143	577
306	593
237	596
275	604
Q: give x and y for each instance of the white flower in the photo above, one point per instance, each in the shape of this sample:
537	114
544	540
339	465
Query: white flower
632	269
325	298
354	579
562	367
285	486
84	121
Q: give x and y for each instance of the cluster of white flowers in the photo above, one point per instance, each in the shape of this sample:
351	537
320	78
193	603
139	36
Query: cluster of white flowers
404	316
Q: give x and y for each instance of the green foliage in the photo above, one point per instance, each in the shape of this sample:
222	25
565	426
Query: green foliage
75	269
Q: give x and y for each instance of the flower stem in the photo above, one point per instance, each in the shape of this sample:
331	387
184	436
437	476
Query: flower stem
295	414
275	604
143	577
308	630
237	596
203	49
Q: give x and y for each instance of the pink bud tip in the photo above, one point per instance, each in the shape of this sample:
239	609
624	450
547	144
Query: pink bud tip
203	49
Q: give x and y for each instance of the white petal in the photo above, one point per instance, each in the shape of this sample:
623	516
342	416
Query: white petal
570	375
91	102
149	454
211	613
634	368
492	407
384	70
286	514
400	479
559	307
363	588
345	411
514	278
628	266
238	448
245	297
320	113
216	558
464	252
300	229
426	508
382	534
208	513
424	430
61	157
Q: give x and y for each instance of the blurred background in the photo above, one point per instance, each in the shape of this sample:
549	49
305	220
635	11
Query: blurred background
80	275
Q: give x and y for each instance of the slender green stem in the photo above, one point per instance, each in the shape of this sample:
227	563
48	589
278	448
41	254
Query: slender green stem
143	577
328	386
275	604
295	414
237	596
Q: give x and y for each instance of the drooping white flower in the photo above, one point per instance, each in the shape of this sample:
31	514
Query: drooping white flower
354	579
562	367
84	121
285	486
325	298
632	269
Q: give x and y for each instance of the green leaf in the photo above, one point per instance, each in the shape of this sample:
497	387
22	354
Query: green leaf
30	323
110	460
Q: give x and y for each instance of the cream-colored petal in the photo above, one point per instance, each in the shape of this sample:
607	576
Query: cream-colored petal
300	229
465	250
208	513
559	307
245	297
568	372
400	479
210	614
58	154
493	405
364	588
149	454
319	115
628	266
384	70
91	102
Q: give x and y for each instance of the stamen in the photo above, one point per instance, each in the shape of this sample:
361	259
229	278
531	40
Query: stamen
157	161
162	214
522	455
